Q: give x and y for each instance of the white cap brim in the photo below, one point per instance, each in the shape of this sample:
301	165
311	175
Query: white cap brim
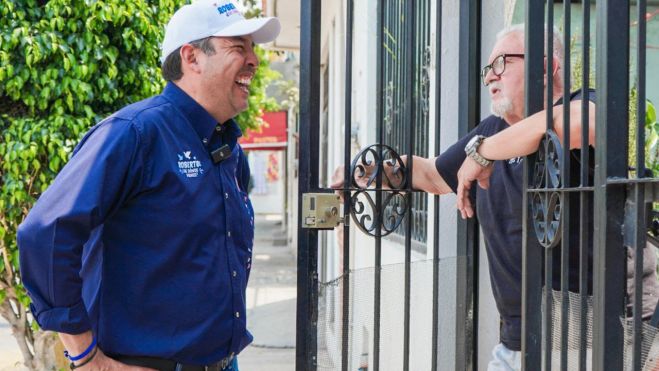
262	30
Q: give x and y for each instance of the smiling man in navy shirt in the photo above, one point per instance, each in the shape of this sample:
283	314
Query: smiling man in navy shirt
139	252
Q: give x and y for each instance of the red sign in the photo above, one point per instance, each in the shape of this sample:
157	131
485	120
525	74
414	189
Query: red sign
271	136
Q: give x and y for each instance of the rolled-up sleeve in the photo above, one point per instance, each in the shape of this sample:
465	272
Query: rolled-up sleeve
104	170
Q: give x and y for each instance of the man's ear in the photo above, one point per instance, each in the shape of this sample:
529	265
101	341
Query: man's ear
554	68
189	58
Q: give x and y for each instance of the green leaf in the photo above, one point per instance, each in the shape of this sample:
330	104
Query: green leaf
650	113
54	163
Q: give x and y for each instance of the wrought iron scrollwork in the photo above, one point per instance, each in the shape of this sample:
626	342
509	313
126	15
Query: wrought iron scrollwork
372	161
376	161
545	201
425	81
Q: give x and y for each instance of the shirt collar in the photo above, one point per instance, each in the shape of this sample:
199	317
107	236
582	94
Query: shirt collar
202	122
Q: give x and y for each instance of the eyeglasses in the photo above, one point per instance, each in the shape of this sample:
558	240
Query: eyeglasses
497	66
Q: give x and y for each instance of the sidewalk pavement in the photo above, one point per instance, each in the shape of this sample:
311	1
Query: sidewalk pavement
271	295
270	306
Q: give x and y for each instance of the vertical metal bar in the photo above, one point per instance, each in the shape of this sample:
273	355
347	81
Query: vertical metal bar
610	161
467	246
410	109
307	277
638	244
548	302
640	88
565	207
549	253
532	257
345	327
585	207
435	246
639	191
377	270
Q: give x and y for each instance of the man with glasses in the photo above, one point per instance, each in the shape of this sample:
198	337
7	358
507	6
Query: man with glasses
492	154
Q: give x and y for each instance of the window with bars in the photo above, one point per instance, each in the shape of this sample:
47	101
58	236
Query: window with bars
398	117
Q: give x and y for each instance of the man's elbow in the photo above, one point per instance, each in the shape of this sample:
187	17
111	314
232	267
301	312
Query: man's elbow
26	235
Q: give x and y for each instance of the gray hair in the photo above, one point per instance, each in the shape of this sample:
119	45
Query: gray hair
171	67
518	29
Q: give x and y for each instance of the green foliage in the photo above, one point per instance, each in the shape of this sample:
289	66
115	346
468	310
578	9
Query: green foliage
652	139
651	124
64	64
651	144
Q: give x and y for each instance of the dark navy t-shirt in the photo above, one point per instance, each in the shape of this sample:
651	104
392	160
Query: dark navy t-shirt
499	211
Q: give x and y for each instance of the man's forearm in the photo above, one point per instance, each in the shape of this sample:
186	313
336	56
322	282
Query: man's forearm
518	140
523	138
426	177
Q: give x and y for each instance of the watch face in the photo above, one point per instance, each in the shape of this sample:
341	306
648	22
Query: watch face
470	145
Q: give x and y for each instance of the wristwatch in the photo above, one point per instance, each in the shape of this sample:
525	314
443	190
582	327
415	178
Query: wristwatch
471	149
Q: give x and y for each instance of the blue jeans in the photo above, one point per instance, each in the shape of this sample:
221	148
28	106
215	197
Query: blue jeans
234	365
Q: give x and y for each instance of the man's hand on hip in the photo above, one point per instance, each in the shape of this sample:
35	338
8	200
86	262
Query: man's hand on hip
469	172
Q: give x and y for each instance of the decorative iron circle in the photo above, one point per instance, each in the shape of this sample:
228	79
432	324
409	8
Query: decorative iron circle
546	214
548	163
372	162
546	205
395	207
367	217
375	161
363	211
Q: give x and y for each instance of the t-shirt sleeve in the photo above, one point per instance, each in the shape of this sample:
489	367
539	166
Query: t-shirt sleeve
575	158
579	94
449	162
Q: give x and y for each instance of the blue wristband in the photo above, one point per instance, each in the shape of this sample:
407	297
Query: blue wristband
83	354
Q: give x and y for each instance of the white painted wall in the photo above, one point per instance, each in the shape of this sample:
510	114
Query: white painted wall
267	197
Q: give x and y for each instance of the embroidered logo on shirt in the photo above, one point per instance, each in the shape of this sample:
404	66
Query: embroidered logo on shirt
515	161
189	165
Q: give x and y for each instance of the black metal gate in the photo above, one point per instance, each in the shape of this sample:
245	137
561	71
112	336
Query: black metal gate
381	205
556	319
589	321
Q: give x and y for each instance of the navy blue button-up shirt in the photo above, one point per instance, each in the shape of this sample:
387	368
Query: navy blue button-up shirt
142	239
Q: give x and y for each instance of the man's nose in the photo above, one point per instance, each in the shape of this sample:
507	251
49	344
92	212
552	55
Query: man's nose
252	59
490	76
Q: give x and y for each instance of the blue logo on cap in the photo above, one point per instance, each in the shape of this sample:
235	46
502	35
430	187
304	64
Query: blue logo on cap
227	9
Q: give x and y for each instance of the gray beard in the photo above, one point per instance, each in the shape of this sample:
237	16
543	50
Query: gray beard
502	107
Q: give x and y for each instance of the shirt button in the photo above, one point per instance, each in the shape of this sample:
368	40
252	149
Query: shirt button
226	195
237	315
234	273
205	140
229	233
218	128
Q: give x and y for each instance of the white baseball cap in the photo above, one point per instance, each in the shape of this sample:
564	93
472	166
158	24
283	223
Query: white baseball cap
205	18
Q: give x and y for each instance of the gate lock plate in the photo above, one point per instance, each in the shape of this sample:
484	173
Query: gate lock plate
321	210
